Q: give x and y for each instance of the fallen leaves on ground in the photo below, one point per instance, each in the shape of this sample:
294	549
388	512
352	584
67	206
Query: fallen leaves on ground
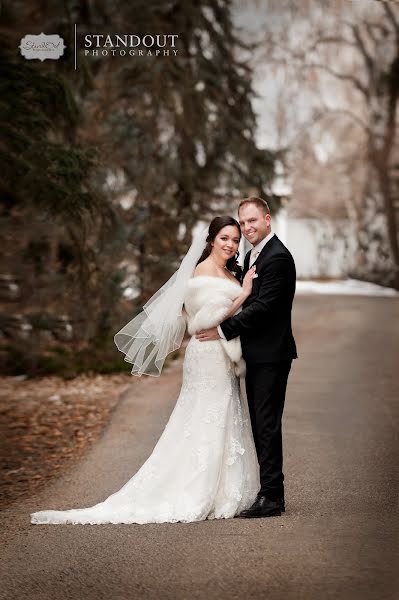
48	423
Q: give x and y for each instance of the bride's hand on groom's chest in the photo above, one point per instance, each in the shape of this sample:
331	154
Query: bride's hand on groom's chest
256	282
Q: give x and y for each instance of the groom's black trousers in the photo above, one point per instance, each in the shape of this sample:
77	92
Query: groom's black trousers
266	385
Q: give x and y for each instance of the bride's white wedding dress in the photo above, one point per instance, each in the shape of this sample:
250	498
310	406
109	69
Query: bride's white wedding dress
204	465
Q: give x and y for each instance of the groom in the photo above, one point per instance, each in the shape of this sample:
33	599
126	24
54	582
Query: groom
268	347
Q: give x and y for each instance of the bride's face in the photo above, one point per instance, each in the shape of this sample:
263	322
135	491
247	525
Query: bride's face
225	244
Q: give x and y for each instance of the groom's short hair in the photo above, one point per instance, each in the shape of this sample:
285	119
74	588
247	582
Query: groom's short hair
259	202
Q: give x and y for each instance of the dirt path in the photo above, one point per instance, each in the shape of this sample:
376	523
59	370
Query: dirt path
338	538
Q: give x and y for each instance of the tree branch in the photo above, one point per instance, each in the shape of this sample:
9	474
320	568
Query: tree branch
372	27
391	15
301	58
368	61
342	76
320	115
331	39
351	115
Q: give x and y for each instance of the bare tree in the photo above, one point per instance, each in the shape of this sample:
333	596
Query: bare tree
343	61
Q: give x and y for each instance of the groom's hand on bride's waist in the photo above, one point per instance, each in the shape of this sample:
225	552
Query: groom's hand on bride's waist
208	335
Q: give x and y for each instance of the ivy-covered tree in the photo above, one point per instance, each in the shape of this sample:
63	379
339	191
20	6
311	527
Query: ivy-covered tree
107	168
55	220
181	128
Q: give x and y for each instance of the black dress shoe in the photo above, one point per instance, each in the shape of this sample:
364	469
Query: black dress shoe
262	507
280	500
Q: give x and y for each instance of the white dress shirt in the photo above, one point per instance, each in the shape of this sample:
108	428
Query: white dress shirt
256	250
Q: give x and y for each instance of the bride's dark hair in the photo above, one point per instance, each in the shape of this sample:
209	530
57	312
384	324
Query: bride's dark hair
216	225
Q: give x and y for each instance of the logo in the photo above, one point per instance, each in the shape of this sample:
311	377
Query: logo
42	46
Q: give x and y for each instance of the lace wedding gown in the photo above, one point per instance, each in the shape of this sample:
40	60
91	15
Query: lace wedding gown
204	465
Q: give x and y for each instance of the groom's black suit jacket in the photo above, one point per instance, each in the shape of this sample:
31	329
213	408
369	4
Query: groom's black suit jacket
264	324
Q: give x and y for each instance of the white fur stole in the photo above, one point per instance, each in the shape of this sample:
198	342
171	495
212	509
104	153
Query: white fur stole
207	302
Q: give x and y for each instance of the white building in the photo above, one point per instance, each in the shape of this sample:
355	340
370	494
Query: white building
321	247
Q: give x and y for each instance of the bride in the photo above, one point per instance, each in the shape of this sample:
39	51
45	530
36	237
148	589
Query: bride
204	465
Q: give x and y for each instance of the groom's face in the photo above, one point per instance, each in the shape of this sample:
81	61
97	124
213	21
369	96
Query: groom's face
254	223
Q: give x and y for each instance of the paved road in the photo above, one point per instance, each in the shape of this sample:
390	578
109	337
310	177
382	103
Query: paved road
339	536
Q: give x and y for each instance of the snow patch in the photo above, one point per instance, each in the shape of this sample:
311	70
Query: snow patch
344	287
